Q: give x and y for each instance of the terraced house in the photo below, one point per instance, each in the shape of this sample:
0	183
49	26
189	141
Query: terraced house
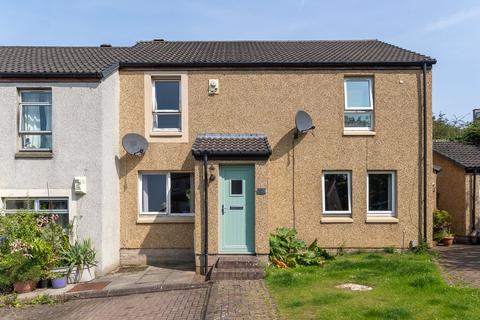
226	162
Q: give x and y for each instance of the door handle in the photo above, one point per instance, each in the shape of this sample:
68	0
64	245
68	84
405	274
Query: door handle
223	209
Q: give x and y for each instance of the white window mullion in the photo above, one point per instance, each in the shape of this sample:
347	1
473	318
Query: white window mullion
168	191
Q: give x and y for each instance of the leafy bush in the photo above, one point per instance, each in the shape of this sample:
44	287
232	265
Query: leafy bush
441	219
288	251
31	246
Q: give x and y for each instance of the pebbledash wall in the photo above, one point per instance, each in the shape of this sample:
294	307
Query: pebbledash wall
260	101
85	143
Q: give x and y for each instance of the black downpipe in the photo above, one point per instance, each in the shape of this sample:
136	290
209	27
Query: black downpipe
425	151
205	210
474	200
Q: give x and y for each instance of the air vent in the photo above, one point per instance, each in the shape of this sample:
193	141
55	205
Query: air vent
105	45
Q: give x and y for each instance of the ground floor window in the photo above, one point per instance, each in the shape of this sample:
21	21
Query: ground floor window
166	193
336	192
58	206
381	193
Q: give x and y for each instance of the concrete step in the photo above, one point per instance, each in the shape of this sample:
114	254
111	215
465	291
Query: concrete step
235	262
237	274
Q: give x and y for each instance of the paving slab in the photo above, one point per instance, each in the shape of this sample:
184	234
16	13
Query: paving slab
461	264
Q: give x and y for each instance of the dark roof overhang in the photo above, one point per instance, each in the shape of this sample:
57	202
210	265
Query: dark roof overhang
231	147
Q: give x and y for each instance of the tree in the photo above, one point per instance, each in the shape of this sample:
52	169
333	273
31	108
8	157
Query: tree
445	129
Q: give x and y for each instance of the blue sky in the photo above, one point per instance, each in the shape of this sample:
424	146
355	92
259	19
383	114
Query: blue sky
446	30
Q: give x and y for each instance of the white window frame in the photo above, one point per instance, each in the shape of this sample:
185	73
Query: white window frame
167	212
167	112
36	205
359	110
349	180
383	213
21	132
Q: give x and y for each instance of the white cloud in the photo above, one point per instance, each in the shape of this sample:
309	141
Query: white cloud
453	19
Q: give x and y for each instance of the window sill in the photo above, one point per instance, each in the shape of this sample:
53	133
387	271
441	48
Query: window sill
336	220
166	134
33	154
358	133
371	219
154	218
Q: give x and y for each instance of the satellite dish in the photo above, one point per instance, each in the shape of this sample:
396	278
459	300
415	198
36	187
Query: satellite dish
303	122
134	144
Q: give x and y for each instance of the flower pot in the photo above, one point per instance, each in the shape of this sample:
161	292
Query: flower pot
59	282
24	286
42	284
85	274
447	242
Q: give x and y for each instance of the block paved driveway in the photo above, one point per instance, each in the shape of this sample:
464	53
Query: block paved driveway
461	263
223	300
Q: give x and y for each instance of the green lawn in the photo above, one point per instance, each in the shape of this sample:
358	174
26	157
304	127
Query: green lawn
405	286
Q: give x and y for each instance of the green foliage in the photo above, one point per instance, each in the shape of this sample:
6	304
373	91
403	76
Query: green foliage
445	129
389	250
80	254
42	299
422	248
405	286
32	245
286	248
10	301
471	134
441	219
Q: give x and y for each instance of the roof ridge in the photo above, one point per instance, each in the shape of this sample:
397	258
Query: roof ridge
259	41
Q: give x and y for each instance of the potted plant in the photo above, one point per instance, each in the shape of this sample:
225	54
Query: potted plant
21	270
80	258
59	280
448	239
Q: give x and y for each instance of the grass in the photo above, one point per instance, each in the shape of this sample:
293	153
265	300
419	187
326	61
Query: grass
405	286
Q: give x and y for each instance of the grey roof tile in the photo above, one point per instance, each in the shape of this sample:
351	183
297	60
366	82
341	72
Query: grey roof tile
231	145
95	60
465	155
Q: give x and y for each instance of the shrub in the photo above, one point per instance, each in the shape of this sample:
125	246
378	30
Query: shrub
441	219
31	246
288	251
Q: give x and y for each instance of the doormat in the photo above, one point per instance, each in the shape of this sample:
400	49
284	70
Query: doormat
89	286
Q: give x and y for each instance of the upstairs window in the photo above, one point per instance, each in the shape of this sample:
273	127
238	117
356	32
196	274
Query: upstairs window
35	127
167	109
358	113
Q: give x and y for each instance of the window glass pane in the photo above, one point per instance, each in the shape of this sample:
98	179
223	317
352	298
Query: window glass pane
37	96
236	187
180	193
336	192
358	93
37	141
54	204
19	204
168	121
167	95
358	119
380	189
36	118
154	193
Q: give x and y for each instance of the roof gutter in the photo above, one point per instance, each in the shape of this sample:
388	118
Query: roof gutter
346	65
49	75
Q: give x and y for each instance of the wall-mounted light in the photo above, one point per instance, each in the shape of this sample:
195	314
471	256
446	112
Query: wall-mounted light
211	169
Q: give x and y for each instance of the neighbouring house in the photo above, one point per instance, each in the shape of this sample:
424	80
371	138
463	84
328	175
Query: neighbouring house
225	165
458	185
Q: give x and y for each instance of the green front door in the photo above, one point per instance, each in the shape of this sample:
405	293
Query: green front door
237	209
